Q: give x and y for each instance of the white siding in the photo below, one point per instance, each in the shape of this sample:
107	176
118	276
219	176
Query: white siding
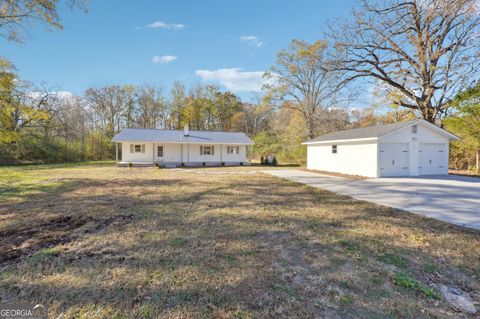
405	135
146	157
240	157
173	153
353	159
423	135
192	154
362	158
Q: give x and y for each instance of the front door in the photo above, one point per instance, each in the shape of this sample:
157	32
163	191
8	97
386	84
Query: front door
160	155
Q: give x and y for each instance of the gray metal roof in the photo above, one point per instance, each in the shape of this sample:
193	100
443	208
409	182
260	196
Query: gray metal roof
177	136
364	132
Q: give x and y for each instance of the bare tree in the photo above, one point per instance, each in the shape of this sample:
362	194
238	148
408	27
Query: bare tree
253	118
178	97
152	108
109	103
304	73
128	113
424	51
15	14
69	122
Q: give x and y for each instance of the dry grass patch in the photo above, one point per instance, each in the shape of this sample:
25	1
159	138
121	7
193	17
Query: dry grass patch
109	242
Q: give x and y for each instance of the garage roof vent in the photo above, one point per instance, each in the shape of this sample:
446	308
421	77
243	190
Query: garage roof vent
414	129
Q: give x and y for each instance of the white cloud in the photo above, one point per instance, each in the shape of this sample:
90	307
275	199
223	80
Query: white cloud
234	79
163	25
53	94
64	94
252	40
163	59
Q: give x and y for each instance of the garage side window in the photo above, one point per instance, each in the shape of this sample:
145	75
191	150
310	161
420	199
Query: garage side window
160	151
334	149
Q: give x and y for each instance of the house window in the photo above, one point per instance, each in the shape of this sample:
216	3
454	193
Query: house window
233	149
206	150
137	148
414	129
160	151
334	149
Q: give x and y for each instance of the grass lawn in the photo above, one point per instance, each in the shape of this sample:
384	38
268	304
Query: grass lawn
98	241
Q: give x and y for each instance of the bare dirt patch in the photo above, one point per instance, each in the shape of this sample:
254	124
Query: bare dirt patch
28	240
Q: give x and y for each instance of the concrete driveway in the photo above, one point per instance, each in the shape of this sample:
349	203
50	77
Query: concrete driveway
454	199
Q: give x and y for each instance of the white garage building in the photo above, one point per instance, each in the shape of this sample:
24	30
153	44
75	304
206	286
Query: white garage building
400	149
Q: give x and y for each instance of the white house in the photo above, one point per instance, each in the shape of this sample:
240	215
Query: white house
176	148
410	148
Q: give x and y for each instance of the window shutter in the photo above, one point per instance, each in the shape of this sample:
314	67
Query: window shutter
201	150
131	148
143	148
213	149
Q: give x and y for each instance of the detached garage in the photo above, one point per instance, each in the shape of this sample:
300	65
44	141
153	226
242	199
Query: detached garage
400	149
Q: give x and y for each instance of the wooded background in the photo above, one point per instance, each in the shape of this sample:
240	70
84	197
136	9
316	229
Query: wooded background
420	59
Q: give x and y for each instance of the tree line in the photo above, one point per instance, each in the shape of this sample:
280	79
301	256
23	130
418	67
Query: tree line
419	59
41	126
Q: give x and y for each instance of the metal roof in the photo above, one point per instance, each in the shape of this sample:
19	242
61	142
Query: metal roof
364	132
377	131
177	136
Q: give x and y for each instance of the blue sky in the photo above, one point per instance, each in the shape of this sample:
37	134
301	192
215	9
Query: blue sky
135	42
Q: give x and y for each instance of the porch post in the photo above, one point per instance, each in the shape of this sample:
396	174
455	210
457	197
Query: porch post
181	154
116	152
251	148
153	153
221	154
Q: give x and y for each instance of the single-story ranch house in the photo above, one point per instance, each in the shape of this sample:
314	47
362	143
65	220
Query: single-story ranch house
172	148
410	148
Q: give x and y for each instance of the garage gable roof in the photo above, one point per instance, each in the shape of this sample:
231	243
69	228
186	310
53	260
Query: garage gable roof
177	136
375	132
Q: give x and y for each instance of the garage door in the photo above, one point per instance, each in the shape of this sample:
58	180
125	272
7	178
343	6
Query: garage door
393	159
433	158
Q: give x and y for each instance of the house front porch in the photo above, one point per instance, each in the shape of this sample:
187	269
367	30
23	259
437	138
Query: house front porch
182	154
